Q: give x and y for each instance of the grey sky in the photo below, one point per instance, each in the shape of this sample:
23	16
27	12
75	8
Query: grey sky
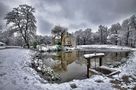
74	14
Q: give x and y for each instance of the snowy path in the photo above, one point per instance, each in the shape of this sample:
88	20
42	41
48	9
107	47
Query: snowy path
14	71
16	75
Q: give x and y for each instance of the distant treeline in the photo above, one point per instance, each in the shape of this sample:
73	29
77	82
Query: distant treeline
118	34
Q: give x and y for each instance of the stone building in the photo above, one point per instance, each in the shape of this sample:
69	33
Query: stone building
65	39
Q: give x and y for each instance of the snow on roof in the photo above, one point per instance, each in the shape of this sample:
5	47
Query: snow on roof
93	55
58	37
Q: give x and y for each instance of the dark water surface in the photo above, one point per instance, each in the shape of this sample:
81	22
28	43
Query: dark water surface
71	65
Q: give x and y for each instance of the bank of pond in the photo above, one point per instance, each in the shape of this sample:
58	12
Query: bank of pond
64	66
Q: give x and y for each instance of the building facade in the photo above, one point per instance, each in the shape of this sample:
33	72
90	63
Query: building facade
65	39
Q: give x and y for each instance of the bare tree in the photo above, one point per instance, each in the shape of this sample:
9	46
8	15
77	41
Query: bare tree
87	36
58	31
125	31
132	27
22	20
114	31
103	34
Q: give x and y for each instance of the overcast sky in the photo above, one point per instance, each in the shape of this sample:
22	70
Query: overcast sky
74	14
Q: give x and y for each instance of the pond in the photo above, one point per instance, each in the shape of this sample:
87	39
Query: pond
65	66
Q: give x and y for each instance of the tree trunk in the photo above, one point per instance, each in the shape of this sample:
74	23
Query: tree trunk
127	37
116	42
28	46
26	42
84	43
101	40
26	31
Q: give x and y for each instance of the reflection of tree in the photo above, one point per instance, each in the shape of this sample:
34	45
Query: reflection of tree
114	58
80	60
65	58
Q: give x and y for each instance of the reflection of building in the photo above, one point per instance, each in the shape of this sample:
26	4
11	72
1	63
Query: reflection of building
65	58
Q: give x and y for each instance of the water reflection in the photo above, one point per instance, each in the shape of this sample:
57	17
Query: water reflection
71	65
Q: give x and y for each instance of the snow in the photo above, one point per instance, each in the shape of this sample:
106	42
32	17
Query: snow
93	55
129	68
14	64
2	47
84	47
47	48
112	47
53	48
69	48
15	74
1	43
105	67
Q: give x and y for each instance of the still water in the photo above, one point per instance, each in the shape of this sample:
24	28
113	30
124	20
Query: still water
72	65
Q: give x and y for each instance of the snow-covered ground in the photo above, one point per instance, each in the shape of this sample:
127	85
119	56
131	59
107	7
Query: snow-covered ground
85	47
15	74
111	47
47	48
4	47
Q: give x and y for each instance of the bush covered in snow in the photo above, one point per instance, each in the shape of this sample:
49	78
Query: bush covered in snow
46	72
